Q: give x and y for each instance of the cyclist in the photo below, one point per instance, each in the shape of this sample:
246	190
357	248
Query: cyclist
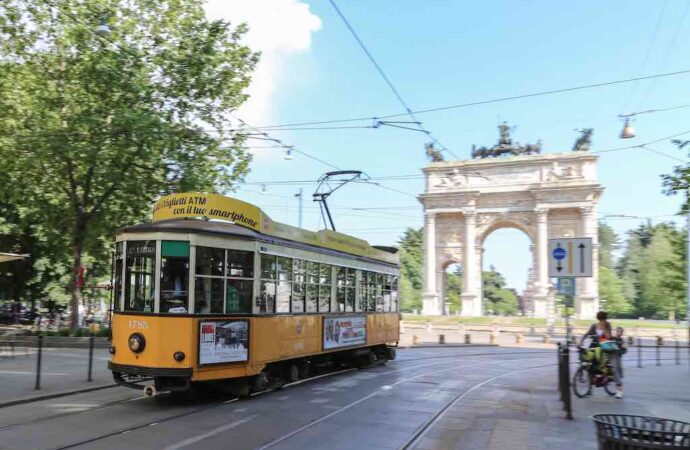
601	335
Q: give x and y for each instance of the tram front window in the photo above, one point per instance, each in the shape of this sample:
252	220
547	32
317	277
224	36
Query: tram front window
139	284
174	276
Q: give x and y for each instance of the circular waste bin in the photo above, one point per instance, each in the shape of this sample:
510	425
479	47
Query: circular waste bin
628	432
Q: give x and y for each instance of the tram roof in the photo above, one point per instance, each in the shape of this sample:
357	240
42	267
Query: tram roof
191	212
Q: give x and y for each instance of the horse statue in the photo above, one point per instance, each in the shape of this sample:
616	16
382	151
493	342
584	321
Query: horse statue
433	154
583	143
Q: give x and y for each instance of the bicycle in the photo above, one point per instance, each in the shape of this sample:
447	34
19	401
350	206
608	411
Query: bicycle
586	376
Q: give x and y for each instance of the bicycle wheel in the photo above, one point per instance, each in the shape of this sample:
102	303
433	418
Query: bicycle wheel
582	382
610	386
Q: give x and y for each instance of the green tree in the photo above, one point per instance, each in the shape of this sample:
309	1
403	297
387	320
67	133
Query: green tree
608	243
498	299
611	293
411	269
678	182
96	128
453	289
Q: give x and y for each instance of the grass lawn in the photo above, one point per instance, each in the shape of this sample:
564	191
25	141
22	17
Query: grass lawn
625	323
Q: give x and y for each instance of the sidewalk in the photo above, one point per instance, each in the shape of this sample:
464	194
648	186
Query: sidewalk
62	370
523	411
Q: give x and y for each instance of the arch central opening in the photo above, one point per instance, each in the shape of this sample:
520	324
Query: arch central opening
507	279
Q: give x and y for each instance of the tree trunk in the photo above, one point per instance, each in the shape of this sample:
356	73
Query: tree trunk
75	290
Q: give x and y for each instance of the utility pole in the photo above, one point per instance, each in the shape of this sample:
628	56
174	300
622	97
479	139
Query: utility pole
299	208
687	263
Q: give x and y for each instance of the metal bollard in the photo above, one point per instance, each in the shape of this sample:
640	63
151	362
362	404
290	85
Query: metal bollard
560	370
639	353
658	353
546	339
659	340
532	331
566	382
492	338
441	338
677	353
468	338
91	341
518	339
39	355
428	326
415	339
631	340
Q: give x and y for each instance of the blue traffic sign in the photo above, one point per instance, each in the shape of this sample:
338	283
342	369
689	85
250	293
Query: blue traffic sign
559	253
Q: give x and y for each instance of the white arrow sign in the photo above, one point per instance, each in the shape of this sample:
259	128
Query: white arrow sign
570	257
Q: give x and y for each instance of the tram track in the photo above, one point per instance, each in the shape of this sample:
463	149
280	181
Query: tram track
377	392
214	405
419	435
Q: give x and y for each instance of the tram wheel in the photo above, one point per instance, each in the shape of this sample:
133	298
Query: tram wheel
292	373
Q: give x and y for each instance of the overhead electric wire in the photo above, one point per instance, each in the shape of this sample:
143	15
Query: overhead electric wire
485	102
292	148
645	147
388	81
667	53
643	66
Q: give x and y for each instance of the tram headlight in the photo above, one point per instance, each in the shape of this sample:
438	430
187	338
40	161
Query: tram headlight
112	350
179	356
136	342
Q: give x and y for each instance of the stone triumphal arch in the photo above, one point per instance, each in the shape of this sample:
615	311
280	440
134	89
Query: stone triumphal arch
544	195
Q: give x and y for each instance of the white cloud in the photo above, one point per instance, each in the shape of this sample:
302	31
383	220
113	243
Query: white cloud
277	28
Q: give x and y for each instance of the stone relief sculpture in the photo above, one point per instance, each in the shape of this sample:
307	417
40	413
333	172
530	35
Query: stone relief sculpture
584	141
558	172
452	179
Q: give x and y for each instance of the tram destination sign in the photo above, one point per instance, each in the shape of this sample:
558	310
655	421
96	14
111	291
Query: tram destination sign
223	341
344	331
570	257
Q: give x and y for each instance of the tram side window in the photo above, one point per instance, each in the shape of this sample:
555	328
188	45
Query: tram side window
325	287
346	289
387	285
394	294
363	291
139	275
208	283
284	287
267	295
174	276
299	286
239	283
379	292
117	282
371	291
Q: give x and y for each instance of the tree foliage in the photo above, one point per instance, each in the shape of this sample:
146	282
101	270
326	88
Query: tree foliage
498	300
411	269
93	129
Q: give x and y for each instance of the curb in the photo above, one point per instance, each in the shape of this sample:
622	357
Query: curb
430	345
39	398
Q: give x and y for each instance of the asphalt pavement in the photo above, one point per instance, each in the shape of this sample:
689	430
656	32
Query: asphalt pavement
62	370
431	398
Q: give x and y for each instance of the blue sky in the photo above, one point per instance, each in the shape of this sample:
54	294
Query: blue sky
441	53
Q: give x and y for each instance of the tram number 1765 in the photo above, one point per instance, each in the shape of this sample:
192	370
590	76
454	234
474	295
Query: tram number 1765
138	324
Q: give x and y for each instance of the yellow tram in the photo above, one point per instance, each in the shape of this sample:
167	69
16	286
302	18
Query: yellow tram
213	290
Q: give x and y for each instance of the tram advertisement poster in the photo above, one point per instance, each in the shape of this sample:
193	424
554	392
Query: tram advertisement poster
223	342
344	331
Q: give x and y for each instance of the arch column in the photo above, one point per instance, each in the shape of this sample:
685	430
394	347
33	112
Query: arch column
540	302
587	297
471	302
430	297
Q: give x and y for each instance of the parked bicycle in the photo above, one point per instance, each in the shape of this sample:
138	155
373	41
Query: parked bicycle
594	371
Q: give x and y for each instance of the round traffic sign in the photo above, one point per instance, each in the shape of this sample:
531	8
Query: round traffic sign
559	253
